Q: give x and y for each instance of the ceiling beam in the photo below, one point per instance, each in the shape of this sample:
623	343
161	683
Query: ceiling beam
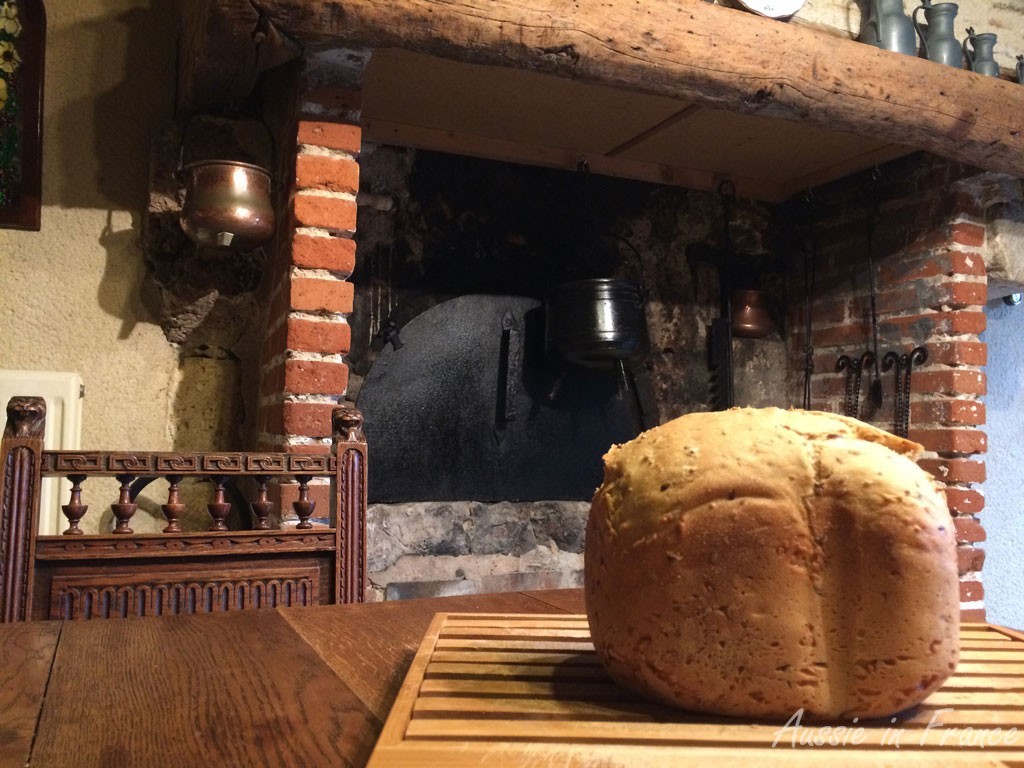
223	50
691	50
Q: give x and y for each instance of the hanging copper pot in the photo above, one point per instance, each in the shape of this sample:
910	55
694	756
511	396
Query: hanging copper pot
227	204
751	317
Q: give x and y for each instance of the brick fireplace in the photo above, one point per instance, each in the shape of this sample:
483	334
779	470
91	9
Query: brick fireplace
928	221
929	242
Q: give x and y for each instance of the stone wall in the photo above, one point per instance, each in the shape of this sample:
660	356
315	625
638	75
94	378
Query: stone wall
1006	19
456	225
1004	226
470	547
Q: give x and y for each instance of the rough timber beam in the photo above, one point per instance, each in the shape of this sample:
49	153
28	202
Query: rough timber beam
689	49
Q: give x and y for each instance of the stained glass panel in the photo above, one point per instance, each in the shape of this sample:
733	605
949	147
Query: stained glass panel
22	41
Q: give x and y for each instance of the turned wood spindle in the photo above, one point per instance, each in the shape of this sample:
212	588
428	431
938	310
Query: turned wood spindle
124	508
263	506
219	508
173	509
75	510
304	506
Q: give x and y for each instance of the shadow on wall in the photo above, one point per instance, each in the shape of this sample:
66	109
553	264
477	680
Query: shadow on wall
214	408
116	77
124	292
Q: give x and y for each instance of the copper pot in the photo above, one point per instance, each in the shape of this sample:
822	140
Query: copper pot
227	204
750	315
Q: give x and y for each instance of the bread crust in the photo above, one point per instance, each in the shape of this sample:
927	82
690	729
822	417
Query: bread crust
756	562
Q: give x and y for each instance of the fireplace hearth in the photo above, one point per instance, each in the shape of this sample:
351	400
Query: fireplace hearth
425	238
485	458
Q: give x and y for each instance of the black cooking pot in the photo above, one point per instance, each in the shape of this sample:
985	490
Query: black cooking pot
596	323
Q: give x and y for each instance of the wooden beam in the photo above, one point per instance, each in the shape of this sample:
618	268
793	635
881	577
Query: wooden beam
691	50
510	151
224	49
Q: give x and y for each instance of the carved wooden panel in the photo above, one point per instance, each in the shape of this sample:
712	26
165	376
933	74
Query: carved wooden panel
351	484
20	453
177	463
16	535
156	592
164	463
310	464
265	464
185	544
130	463
80	575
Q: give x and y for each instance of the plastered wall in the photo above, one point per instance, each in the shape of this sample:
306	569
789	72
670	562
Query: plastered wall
73	294
1004	505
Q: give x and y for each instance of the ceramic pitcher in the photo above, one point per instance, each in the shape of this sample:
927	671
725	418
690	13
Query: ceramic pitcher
888	27
1020	67
980	55
938	41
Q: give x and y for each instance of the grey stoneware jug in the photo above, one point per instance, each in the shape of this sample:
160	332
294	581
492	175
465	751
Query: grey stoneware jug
1020	67
980	56
888	27
938	40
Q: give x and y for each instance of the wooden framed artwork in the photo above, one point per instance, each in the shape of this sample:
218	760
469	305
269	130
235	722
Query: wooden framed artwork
22	47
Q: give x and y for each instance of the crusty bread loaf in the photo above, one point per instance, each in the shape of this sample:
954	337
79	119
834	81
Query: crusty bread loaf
760	561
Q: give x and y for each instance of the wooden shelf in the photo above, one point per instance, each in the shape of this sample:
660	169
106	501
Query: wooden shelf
411	99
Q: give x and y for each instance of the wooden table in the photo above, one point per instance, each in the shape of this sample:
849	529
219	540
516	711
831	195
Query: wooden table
314	687
288	687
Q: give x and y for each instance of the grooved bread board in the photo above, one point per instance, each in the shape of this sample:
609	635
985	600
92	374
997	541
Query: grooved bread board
528	690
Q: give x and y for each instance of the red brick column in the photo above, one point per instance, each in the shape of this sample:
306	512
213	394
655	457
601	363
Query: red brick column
304	371
931	289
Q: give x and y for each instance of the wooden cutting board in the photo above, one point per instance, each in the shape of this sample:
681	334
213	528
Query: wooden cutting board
528	690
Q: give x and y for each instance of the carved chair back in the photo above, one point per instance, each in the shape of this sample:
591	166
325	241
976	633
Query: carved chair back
121	573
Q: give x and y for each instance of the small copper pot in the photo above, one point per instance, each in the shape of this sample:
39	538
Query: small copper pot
227	204
750	315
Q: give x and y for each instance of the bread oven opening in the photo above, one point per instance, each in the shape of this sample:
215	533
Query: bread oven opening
476	286
438	236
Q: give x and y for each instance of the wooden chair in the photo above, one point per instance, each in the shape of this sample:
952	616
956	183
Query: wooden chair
119	574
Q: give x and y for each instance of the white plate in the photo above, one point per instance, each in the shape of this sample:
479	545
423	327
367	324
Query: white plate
776	9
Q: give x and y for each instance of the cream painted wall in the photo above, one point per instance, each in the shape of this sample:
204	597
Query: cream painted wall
71	294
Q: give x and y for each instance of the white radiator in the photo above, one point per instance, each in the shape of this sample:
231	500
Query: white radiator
63	394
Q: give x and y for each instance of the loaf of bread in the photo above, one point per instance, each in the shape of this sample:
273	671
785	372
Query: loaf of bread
756	562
